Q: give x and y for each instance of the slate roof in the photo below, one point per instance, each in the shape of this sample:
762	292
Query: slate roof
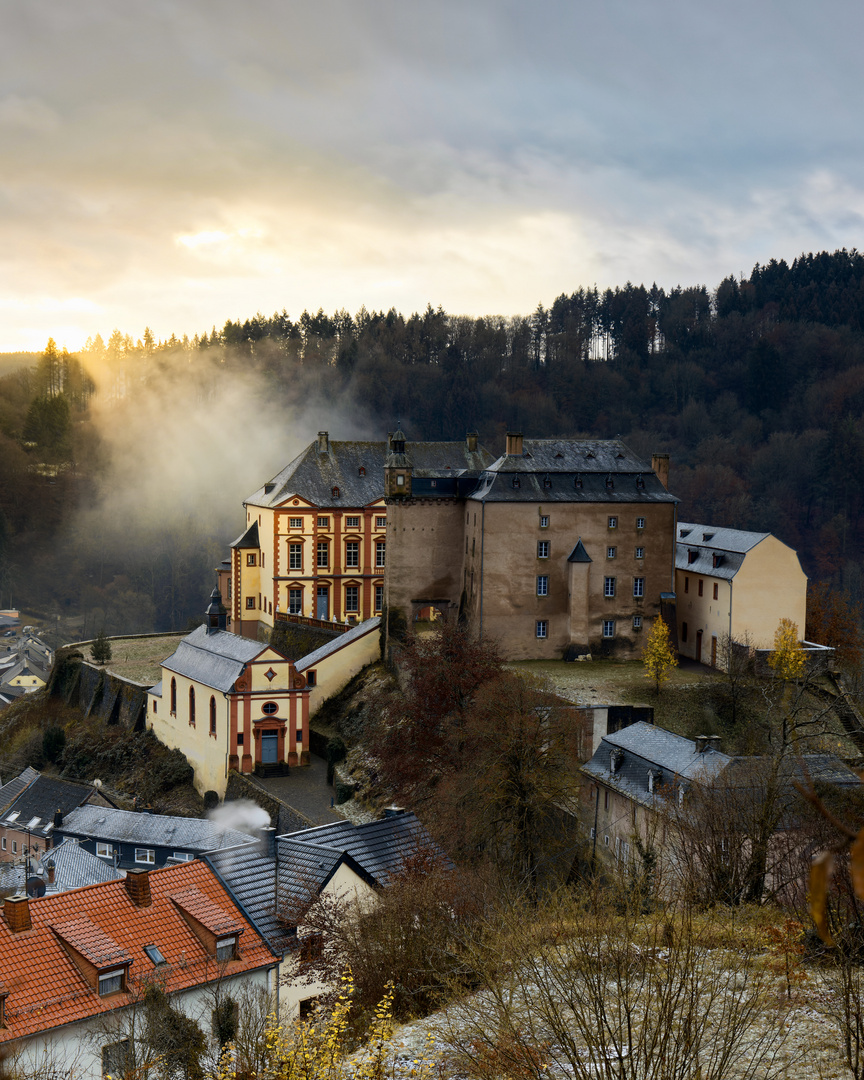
215	659
579	554
35	807
247	539
74	867
14	787
249	875
336	644
23	667
313	475
45	987
150	830
571	470
706	541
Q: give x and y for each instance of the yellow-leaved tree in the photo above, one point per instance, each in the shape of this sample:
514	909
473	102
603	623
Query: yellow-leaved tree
658	656
788	657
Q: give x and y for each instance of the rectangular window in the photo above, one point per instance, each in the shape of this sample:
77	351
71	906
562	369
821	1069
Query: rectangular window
683	631
15	847
640	553
542	585
609	586
308	1007
608	628
544	521
352	522
250	601
182	856
352	553
686	583
295	523
323	554
379	597
311	948
637	622
111	982
295	601
542	549
323	522
610	552
104	851
116	1058
352	598
226	948
145	855
380	522
638	586
3	844
613	522
700	586
542	628
295	556
640	523
250	559
716	591
380	552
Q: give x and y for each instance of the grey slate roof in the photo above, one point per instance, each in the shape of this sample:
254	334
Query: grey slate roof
337	643
150	830
74	867
313	475
579	554
14	787
706	541
249	874
247	539
36	805
215	659
23	667
380	847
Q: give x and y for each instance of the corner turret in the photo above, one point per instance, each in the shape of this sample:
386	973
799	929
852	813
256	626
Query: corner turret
397	468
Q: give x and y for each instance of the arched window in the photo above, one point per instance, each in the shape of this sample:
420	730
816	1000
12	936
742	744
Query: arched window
191	704
212	715
174	696
335	492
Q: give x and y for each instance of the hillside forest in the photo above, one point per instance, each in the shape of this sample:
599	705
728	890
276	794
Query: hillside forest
123	467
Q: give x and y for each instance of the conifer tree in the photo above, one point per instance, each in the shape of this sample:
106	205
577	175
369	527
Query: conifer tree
101	648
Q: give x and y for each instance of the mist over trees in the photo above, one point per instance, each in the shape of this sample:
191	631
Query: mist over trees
755	390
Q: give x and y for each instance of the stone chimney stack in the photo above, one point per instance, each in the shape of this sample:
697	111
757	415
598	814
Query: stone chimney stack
16	911
660	465
323	442
514	444
471	440
137	884
52	870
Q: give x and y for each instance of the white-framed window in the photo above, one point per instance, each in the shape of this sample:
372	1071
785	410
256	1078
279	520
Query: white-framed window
611	552
323	522
379	597
608	628
3	844
542	585
380	552
322	554
352	553
295	556
104	851
250	560
14	847
381	522
226	948
613	522
352	522
145	855
640	523
609	586
295	523
637	622
542	628
542	549
250	602
182	856
640	552
111	982
352	598
593	832
295	601
544	521
638	586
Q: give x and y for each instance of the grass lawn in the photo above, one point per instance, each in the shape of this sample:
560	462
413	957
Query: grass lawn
139	658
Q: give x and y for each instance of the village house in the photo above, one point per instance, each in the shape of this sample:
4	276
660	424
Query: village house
67	865
28	822
734	587
74	966
559	548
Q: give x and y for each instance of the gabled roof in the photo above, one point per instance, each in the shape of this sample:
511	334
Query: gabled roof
215	659
579	554
248	539
74	868
14	787
321	653
249	875
707	541
150	830
35	807
46	989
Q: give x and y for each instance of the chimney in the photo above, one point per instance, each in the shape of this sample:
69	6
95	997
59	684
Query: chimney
393	811
16	910
514	444
58	819
52	870
323	442
660	466
268	841
471	440
138	886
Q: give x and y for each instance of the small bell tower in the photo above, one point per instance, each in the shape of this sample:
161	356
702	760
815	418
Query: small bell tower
398	468
217	613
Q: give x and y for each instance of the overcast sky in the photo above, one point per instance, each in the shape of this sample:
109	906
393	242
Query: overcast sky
178	162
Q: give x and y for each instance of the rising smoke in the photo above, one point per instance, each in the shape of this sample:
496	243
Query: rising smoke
242	815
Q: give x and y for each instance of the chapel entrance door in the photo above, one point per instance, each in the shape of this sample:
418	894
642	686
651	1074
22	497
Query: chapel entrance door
269	747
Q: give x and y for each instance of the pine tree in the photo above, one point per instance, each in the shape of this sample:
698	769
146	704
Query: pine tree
658	656
101	648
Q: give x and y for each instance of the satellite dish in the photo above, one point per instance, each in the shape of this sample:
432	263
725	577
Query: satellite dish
97	783
35	887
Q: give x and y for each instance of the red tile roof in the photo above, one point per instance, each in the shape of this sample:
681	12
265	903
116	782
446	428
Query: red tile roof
45	988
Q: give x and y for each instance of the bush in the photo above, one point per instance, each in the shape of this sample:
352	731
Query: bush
211	800
53	743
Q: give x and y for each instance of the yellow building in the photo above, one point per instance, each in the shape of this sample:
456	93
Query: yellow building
734	586
315	540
